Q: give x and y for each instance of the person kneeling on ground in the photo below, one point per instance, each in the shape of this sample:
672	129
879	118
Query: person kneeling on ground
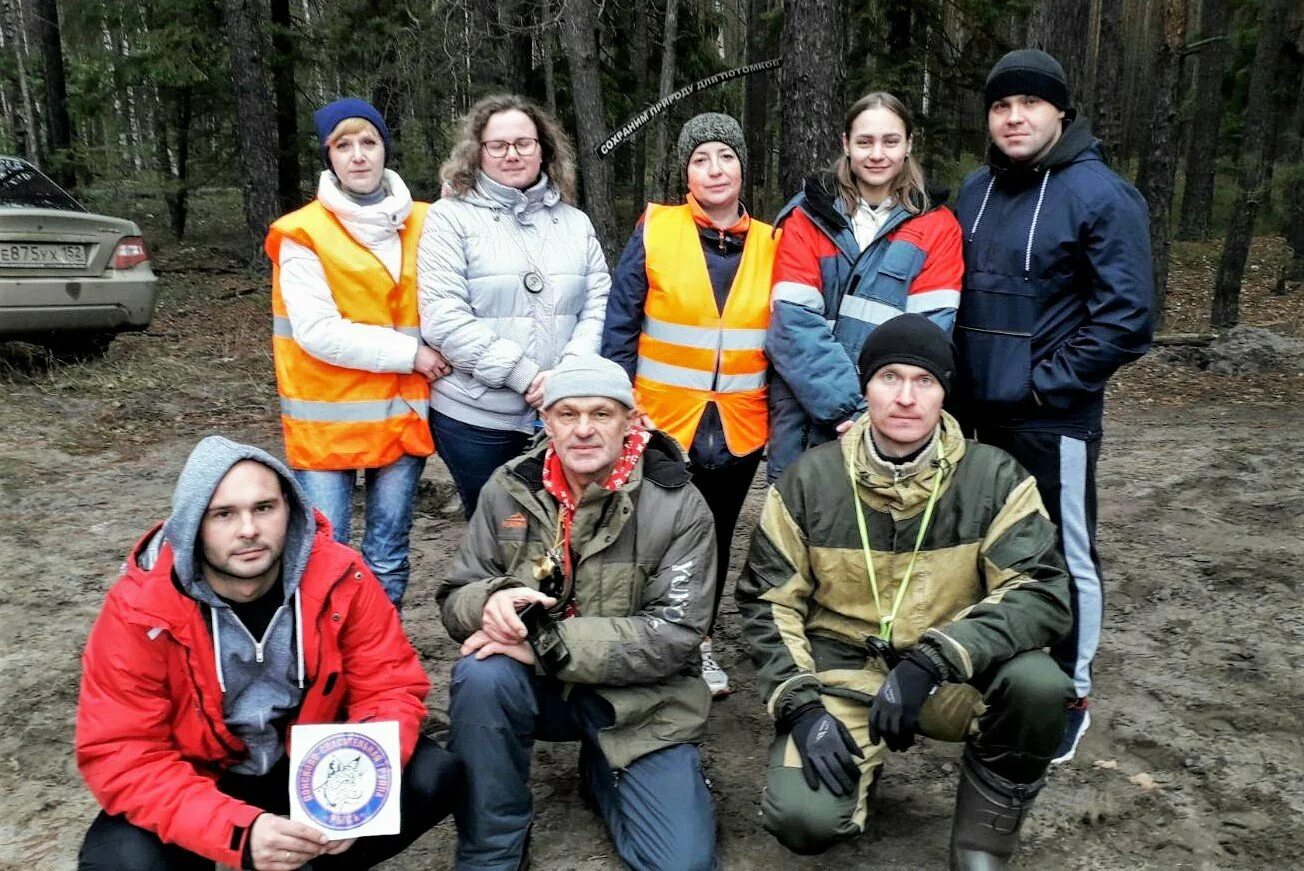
183	716
600	542
903	581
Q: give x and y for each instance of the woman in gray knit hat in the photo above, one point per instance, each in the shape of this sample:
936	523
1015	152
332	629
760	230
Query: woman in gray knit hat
689	306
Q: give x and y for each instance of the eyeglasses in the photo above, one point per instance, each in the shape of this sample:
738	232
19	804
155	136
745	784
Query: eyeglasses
498	147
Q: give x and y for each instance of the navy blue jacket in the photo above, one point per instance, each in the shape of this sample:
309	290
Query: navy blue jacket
1058	288
624	325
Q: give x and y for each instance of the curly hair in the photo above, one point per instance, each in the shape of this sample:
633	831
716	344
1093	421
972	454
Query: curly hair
460	170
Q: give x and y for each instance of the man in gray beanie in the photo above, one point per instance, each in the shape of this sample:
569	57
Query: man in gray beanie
580	595
1057	296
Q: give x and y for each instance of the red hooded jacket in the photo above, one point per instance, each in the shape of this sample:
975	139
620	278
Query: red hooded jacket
151	741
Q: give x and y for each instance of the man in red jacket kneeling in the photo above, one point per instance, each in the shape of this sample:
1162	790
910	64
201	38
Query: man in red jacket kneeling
233	620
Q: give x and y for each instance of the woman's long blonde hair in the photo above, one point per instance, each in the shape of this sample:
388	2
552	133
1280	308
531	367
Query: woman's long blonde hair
462	168
908	187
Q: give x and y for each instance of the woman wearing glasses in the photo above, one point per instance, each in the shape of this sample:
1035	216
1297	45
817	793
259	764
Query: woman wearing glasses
512	279
352	371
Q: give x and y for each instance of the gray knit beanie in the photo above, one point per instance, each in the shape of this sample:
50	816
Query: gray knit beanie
588	375
711	127
1028	71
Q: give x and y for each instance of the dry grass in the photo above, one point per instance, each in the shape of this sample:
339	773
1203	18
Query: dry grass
204	365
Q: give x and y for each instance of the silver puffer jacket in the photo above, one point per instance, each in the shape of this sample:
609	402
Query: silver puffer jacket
474	253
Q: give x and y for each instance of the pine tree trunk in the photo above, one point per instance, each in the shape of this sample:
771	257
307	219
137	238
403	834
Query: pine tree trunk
579	38
1106	105
256	120
1057	27
61	161
1159	166
1202	152
1225	311
282	65
813	74
178	199
549	73
756	108
28	137
1293	229
639	52
657	144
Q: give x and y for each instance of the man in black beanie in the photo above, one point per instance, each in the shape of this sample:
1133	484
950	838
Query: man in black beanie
904	581
1057	296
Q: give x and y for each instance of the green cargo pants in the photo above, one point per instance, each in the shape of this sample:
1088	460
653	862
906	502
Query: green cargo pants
1013	716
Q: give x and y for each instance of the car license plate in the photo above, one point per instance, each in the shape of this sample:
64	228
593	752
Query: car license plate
25	255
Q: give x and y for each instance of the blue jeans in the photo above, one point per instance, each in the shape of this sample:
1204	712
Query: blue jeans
472	453
658	810
391	499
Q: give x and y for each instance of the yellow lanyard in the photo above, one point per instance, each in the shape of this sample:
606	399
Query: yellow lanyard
886	622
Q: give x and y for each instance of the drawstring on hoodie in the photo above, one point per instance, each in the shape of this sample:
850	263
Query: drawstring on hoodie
298	631
1032	231
986	196
217	650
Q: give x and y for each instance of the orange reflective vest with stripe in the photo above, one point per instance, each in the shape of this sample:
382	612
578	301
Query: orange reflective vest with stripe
690	352
334	417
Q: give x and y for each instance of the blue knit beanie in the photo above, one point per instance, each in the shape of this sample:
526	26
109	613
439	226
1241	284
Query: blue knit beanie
328	117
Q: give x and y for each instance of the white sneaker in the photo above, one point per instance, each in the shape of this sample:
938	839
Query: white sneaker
716	679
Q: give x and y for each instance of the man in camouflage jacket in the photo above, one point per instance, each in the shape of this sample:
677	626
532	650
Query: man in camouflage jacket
924	609
601	524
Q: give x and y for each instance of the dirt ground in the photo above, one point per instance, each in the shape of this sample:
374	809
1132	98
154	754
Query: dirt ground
1194	759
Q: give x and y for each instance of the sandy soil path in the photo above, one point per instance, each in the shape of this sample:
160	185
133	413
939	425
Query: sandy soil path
1199	686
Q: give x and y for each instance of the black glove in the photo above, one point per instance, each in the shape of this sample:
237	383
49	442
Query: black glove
826	748
895	715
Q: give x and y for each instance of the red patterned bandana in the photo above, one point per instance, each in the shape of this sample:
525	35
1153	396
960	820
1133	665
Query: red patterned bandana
554	481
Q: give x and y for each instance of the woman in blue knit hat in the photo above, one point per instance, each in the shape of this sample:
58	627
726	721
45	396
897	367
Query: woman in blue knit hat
353	374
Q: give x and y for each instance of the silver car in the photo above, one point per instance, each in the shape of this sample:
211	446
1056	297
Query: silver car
69	279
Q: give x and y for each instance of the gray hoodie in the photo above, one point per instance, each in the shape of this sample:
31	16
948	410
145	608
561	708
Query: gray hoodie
261	679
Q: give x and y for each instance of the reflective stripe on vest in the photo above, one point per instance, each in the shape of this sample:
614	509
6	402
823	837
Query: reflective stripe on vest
691	353
353	412
334	417
281	327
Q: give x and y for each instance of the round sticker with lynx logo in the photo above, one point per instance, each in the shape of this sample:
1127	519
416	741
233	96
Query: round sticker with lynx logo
344	781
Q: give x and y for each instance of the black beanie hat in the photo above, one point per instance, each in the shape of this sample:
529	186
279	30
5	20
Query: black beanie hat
1028	71
911	339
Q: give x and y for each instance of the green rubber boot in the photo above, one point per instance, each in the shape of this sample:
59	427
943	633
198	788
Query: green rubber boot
989	812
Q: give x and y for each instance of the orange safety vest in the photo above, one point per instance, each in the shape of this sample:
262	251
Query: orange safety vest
691	353
334	417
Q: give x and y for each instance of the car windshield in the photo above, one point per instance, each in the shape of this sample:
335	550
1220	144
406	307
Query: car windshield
22	185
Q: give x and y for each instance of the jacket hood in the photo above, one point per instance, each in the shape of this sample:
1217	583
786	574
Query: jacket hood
489	194
821	202
207	465
1075	142
905	489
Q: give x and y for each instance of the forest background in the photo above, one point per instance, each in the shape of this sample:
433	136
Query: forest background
1199	101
